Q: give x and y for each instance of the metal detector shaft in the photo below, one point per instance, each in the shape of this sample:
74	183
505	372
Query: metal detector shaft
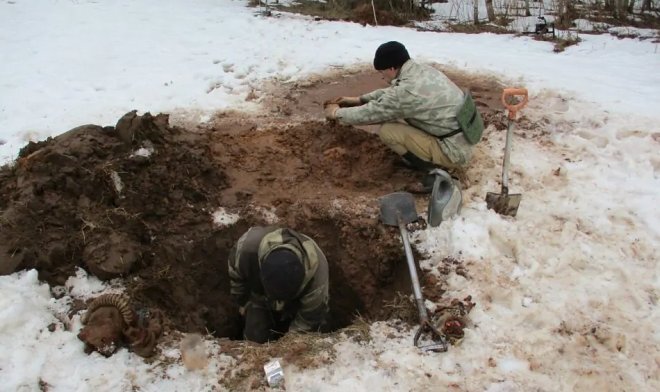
419	300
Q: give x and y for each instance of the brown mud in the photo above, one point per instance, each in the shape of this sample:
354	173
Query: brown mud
136	202
303	100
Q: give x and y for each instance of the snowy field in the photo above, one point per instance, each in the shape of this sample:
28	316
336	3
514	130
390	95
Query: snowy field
566	292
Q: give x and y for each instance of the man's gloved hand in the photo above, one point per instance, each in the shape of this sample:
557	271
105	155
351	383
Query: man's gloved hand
330	110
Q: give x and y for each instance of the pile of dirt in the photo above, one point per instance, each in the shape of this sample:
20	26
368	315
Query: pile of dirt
135	202
139	202
117	201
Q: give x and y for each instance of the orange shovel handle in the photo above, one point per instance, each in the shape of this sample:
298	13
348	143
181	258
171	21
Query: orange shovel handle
514	92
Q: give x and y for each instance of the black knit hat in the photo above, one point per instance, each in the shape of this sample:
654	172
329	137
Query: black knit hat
390	55
282	274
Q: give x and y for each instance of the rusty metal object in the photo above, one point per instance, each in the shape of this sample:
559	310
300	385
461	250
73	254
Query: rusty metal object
103	330
110	322
143	339
121	302
453	318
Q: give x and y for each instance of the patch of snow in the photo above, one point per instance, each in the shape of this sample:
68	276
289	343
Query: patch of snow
223	218
116	181
144	152
84	286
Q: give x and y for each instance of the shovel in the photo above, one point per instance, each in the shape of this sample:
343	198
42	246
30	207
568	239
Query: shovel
398	209
504	203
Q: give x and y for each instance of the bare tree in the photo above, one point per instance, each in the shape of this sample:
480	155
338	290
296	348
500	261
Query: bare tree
646	5
619	8
490	10
476	11
565	12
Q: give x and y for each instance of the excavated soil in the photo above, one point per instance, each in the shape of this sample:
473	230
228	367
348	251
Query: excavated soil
137	202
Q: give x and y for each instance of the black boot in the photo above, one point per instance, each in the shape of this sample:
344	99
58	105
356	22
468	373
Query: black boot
414	162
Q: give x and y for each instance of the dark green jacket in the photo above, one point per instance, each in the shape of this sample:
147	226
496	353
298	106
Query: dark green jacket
245	259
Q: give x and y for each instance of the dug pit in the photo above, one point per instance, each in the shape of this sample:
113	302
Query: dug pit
159	207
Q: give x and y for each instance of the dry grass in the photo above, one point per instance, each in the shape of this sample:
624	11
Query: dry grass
305	351
402	308
560	43
469	28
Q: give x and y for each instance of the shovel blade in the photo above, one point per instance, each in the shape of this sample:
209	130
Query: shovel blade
398	206
503	204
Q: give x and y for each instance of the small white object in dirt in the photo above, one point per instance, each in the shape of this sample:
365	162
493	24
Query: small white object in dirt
274	374
193	352
116	180
222	217
145	151
526	301
142	152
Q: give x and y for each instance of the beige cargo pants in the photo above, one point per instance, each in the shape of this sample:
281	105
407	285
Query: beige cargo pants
402	138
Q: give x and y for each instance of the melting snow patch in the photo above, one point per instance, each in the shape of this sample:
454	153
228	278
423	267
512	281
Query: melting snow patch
116	180
142	152
84	286
145	151
222	218
509	365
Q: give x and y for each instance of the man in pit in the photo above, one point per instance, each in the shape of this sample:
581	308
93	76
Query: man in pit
279	280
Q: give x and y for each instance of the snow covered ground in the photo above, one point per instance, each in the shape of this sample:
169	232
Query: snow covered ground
566	293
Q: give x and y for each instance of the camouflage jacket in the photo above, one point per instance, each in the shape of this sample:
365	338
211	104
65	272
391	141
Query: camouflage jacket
310	307
422	96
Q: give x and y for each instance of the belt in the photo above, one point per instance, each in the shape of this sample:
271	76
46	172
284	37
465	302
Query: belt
450	134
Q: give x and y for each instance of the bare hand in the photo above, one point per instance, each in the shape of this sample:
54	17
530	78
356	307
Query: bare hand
330	111
344	102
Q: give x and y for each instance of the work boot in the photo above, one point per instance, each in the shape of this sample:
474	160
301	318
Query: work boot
414	162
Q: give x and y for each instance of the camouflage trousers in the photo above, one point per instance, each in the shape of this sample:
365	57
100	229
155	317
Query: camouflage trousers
402	138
